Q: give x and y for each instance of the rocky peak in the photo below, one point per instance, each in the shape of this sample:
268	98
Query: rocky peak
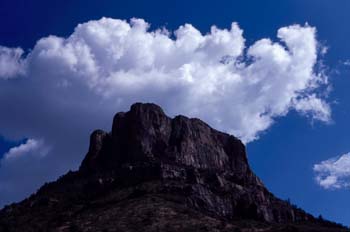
156	173
145	144
146	134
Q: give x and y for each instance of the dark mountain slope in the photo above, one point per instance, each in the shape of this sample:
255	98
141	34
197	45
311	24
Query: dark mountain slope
154	173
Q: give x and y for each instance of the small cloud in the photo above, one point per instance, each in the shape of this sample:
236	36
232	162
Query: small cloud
23	170
320	109
333	173
30	146
323	50
346	63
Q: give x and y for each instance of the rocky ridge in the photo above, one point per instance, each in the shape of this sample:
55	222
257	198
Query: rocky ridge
156	173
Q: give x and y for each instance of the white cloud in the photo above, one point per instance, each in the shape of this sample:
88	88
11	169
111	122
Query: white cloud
10	62
319	108
346	62
22	169
334	173
25	148
70	86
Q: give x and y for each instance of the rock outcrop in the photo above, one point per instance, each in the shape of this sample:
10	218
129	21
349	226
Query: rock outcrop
156	173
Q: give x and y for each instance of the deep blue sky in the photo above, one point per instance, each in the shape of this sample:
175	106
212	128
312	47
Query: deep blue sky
284	155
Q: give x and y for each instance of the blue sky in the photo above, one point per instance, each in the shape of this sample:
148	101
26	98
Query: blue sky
286	151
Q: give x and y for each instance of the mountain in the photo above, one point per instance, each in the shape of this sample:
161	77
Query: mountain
156	173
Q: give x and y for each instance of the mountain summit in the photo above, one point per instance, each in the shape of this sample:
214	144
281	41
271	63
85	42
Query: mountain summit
156	173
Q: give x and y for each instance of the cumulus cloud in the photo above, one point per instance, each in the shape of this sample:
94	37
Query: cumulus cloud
66	87
334	173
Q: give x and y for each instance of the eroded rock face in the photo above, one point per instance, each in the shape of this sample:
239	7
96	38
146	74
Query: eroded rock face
156	173
212	166
146	134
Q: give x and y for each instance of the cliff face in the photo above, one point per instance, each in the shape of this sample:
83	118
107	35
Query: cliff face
155	173
146	135
145	143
